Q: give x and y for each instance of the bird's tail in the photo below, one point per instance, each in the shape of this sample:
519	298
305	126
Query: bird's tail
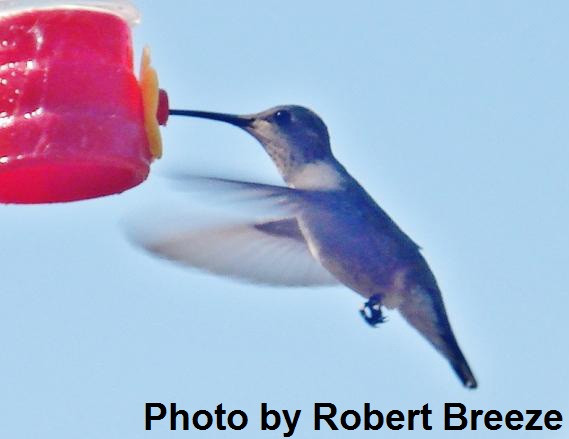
462	369
424	309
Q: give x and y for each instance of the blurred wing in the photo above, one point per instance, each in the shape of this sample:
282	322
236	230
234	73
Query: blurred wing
281	196
270	253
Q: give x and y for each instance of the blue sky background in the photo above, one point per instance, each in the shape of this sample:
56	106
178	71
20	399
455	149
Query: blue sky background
452	114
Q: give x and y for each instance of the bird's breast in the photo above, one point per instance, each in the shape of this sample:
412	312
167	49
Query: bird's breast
366	263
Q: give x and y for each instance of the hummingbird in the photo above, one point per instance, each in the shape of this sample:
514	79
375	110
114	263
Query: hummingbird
332	232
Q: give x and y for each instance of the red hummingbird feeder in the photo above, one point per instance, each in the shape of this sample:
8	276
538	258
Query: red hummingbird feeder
75	123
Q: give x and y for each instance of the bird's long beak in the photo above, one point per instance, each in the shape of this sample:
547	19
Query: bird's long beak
233	119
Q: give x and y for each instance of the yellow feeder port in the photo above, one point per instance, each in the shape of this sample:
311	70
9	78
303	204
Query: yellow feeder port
150	100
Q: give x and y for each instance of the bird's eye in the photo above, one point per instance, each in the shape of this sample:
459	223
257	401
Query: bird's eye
283	117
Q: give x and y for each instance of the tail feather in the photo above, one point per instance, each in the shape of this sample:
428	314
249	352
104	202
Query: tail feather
463	371
424	310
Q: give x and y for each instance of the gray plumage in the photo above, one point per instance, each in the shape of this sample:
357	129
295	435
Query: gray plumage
335	232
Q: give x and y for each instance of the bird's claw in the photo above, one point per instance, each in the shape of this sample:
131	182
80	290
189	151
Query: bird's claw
371	312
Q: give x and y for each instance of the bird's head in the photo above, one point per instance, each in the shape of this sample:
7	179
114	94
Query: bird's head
293	136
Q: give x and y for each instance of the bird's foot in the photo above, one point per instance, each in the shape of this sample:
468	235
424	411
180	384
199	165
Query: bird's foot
371	311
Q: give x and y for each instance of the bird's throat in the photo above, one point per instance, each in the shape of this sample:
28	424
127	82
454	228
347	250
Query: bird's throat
320	175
